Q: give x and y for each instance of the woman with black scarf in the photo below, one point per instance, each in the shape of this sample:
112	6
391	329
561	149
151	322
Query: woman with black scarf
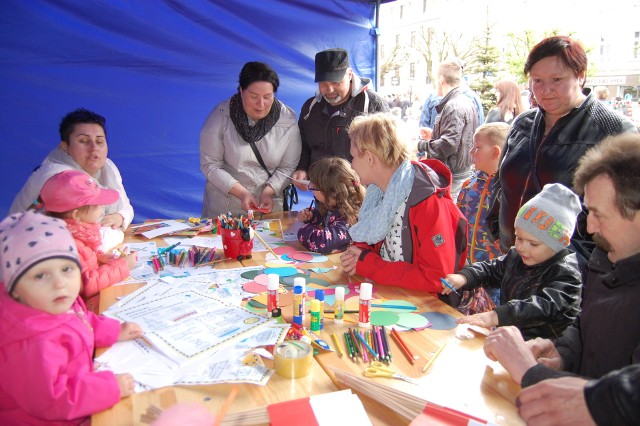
249	144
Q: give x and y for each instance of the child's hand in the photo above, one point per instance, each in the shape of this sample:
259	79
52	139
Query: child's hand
129	331
485	319
305	215
131	258
456	280
104	258
126	384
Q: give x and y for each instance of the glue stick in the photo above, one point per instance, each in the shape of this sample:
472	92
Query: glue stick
297	305
315	315
320	299
338	306
366	289
301	308
273	284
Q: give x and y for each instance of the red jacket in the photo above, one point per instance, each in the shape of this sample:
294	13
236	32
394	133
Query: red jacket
434	236
96	277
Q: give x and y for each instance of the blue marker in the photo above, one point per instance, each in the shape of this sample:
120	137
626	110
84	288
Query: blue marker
445	282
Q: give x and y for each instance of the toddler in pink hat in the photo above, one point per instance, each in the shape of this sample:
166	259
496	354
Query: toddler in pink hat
76	197
47	335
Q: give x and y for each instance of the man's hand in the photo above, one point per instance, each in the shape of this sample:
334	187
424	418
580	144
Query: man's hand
426	133
507	346
555	402
546	353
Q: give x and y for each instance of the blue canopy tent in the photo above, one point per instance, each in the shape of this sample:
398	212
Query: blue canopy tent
155	69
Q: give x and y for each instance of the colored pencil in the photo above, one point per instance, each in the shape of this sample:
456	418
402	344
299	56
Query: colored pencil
405	349
438	352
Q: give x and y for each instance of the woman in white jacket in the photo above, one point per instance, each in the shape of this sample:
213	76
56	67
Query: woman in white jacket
236	179
83	147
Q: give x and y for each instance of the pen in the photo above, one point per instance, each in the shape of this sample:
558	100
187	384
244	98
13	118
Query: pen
382	305
426	367
163	250
364	342
334	336
445	282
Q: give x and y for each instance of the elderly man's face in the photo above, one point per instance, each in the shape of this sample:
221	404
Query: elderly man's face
336	93
613	233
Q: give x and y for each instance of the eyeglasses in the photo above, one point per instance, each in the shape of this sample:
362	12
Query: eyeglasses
314	189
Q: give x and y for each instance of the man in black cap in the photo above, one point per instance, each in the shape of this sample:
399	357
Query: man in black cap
325	118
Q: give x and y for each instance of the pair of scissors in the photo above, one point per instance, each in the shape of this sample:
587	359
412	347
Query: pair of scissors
378	369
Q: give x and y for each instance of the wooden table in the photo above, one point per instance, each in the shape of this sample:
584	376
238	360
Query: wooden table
461	378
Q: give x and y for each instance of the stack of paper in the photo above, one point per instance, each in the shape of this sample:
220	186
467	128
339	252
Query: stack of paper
331	409
409	406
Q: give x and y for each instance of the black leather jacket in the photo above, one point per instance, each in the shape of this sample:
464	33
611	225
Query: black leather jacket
540	300
528	162
604	342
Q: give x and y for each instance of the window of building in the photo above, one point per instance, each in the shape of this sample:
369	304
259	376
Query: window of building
412	70
413	38
397	71
401	11
397	39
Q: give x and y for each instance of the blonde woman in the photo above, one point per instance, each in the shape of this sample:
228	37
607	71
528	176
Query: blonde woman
409	231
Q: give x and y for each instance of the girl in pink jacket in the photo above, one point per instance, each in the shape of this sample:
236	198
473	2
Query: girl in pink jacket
47	336
75	196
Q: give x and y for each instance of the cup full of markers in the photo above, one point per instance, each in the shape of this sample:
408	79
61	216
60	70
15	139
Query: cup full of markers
180	257
237	235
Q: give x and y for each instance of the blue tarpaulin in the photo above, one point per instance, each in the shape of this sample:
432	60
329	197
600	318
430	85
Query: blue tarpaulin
155	69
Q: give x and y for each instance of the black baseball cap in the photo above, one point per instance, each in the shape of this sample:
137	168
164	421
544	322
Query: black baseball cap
331	65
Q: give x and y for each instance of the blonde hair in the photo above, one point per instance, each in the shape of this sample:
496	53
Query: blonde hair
337	180
510	99
601	92
379	134
496	133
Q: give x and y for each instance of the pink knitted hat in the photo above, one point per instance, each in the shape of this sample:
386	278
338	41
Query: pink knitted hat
29	238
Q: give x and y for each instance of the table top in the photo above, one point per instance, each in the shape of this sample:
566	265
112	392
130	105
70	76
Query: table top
461	377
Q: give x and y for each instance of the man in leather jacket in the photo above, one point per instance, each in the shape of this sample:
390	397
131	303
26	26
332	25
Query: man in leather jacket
591	374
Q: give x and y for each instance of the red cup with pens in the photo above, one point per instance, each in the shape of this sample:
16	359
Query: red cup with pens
237	235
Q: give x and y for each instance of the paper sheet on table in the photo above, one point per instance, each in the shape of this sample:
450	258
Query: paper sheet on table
145	251
186	325
151	370
209	241
164	227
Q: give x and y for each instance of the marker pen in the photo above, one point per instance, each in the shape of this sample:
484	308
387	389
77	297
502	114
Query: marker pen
366	289
273	284
338	306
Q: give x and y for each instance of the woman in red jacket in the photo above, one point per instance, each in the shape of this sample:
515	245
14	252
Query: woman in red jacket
409	232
